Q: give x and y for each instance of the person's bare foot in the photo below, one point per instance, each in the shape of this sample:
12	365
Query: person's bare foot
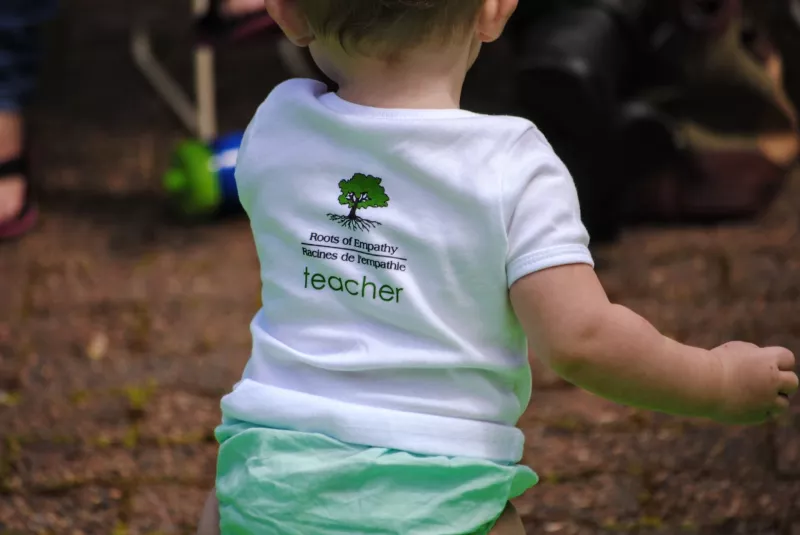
12	189
12	197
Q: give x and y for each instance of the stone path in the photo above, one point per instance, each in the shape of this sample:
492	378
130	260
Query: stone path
120	329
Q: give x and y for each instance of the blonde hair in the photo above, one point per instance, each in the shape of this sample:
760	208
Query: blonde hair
387	27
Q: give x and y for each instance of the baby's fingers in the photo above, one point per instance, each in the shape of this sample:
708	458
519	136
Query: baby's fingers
783	358
780	406
788	384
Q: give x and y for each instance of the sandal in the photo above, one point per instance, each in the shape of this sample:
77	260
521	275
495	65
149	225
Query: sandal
214	26
29	214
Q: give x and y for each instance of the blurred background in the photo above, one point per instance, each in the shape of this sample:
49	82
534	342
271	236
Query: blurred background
125	297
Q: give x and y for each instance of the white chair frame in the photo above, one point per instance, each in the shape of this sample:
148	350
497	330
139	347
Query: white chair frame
198	114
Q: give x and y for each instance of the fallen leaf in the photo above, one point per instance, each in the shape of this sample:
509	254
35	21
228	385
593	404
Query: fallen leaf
9	399
98	346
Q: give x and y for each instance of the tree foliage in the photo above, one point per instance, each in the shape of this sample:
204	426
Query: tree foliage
363	191
359	192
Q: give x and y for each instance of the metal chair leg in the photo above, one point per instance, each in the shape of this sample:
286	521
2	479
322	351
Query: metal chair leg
199	116
205	88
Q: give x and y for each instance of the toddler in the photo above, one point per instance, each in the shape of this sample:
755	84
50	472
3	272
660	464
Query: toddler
410	251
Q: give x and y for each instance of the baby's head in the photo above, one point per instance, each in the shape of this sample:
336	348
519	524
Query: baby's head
390	32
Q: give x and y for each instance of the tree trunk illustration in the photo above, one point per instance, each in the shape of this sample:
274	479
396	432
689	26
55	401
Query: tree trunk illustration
352	214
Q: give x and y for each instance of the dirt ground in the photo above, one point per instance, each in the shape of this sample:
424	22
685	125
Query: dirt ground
120	329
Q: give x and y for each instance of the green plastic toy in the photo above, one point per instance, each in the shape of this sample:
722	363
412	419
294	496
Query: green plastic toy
201	180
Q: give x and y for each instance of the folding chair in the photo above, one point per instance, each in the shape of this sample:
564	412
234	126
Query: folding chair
198	114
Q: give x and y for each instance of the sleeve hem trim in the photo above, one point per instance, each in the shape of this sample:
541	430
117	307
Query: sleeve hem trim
561	255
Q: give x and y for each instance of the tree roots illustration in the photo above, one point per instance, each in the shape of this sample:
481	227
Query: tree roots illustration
354	223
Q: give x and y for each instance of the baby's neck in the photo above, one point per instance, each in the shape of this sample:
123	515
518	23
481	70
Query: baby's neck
402	92
433	82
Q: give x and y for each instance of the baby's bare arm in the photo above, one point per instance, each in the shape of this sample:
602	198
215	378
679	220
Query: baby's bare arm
609	350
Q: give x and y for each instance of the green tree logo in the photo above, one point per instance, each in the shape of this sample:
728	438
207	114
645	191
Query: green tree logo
361	191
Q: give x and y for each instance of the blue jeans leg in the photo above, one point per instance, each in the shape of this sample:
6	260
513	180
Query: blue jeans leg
20	48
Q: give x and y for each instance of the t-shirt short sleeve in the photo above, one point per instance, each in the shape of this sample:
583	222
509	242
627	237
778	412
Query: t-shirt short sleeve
542	211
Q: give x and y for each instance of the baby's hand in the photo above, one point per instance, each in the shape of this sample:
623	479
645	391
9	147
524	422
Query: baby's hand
757	383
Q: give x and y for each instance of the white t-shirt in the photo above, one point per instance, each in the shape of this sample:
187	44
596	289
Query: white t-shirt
388	240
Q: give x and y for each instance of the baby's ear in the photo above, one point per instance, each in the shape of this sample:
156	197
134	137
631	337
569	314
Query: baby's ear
493	18
291	20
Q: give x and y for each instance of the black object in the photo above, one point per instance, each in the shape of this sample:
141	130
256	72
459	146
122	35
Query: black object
491	85
688	26
578	69
575	68
710	17
645	139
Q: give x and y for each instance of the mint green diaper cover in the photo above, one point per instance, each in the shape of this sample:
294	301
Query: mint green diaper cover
277	482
